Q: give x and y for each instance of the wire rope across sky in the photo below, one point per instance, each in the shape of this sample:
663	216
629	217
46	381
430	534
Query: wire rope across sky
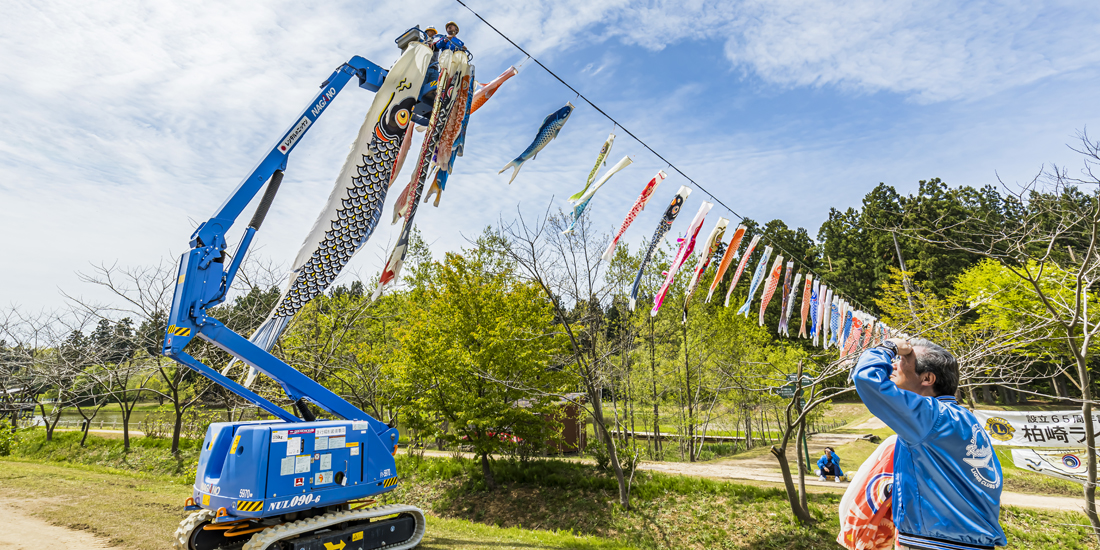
671	166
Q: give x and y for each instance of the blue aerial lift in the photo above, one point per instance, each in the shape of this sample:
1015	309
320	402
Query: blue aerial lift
294	483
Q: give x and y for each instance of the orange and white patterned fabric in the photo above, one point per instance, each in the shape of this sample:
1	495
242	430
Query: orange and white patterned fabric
866	514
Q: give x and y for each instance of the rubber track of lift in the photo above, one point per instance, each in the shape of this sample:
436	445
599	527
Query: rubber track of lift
189	524
263	539
192	522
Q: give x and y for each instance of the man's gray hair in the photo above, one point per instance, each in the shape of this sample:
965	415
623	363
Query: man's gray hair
933	358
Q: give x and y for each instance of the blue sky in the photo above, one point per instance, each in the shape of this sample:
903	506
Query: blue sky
128	122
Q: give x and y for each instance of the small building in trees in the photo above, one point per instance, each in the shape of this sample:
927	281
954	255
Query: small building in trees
569	423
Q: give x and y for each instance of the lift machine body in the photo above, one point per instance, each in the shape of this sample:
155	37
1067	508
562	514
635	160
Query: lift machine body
265	473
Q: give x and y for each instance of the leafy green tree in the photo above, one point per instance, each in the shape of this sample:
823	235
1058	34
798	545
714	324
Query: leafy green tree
477	351
1046	233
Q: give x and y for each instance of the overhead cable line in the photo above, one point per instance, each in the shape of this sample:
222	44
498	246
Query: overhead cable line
639	140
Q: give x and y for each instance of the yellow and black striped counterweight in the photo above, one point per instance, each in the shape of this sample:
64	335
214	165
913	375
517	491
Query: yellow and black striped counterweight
250	505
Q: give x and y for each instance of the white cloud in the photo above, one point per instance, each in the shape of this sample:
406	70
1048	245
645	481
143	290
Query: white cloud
129	121
928	50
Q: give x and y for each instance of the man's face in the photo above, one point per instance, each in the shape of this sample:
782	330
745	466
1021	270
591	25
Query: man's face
452	30
905	374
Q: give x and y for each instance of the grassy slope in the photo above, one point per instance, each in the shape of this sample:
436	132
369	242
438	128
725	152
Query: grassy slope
537	501
669	511
141	511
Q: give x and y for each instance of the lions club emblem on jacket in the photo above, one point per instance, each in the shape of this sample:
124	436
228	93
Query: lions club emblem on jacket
999	429
979	456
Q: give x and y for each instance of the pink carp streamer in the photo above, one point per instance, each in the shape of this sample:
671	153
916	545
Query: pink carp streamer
786	298
405	146
806	291
687	244
869	333
453	127
482	94
769	288
710	248
727	258
639	205
741	267
856	335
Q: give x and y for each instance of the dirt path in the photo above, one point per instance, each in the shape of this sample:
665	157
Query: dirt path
26	532
872	423
763	468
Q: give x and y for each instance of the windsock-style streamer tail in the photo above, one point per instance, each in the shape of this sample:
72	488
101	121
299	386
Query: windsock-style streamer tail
727	259
639	205
586	197
265	338
772	284
710	248
486	91
663	226
834	320
687	244
846	336
513	164
452	71
815	312
406	144
790	302
600	160
805	305
549	130
741	267
757	277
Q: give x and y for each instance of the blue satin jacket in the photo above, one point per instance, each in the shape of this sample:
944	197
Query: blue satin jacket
947	479
833	461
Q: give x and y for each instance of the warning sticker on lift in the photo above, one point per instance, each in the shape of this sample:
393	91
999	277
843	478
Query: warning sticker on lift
301	464
360	425
299	481
326	461
293	446
335	442
338	430
279	436
322	478
286	466
354	449
320	444
302	431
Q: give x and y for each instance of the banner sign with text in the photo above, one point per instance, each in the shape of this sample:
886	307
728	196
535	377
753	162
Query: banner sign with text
1036	428
1062	464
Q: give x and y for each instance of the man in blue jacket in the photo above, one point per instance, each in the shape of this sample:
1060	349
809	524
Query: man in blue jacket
947	479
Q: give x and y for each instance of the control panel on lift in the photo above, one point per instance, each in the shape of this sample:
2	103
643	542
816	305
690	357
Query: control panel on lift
309	464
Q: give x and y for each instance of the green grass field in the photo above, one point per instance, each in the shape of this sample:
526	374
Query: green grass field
539	504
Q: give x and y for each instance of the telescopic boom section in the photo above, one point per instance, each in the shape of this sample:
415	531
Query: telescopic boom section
203	278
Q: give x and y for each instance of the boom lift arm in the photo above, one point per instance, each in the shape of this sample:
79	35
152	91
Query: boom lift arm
203	279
